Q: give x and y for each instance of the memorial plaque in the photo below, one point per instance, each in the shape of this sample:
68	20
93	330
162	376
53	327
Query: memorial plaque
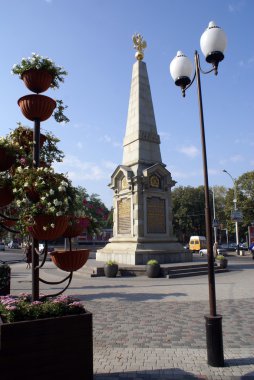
156	215
124	216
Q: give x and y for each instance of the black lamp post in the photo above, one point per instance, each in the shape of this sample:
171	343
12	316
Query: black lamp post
213	43
235	209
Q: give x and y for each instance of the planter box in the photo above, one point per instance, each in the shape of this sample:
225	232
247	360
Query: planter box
53	348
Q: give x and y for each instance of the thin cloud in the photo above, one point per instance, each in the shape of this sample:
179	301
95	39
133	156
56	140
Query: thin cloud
236	7
235	158
248	63
78	170
190	151
108	139
165	135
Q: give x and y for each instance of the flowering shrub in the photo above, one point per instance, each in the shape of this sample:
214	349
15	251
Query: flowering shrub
21	308
39	62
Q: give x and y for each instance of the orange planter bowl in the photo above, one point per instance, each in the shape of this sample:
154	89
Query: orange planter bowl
70	261
37	80
37	107
37	229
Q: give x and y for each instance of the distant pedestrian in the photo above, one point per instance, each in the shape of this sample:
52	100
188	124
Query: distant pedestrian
28	253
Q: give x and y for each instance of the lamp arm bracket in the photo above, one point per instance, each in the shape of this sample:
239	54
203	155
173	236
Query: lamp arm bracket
194	76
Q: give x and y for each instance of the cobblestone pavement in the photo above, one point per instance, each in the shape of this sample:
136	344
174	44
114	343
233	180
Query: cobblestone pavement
151	340
149	329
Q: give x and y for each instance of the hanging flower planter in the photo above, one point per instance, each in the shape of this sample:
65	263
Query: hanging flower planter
6	195
37	107
48	227
32	195
70	261
37	80
26	137
76	225
6	159
8	222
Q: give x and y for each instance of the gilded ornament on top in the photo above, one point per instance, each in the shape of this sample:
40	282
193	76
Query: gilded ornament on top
139	44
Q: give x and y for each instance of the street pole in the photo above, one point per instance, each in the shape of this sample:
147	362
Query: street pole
214	218
212	43
235	209
213	321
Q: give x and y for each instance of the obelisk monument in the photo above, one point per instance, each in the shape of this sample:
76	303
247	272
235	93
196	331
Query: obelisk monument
142	184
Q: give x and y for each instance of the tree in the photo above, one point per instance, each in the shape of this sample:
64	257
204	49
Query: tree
188	212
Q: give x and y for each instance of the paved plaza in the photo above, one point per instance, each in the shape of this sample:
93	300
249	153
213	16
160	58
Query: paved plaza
155	328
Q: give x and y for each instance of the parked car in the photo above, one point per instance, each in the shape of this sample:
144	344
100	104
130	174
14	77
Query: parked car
41	248
203	252
2	246
222	250
243	246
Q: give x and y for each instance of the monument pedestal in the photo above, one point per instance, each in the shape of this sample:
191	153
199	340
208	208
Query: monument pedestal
138	253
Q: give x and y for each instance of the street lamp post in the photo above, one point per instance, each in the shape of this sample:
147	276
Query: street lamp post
213	43
215	222
235	208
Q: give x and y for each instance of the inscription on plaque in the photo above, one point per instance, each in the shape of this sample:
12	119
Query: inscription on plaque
156	215
124	216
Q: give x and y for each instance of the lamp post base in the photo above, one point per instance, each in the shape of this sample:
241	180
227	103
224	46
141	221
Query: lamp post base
214	341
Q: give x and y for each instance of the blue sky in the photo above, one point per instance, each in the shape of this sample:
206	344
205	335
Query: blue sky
92	40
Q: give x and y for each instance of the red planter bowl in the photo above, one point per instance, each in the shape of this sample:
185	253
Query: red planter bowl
37	80
70	261
37	107
9	223
6	196
32	195
6	159
39	233
76	225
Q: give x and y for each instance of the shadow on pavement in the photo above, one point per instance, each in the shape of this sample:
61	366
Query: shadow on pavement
127	297
240	362
166	374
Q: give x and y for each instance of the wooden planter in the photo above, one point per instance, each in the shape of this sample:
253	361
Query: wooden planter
37	80
70	261
110	270
6	159
153	270
6	195
38	232
37	107
76	225
52	348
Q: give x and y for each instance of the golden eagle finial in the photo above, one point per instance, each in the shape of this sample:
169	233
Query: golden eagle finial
139	45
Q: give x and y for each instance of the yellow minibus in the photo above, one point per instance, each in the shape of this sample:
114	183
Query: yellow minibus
196	243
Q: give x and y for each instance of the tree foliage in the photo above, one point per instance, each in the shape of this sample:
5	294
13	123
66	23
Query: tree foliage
189	206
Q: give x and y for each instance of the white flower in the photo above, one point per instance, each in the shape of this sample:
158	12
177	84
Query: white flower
52	225
44	228
51	192
26	184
